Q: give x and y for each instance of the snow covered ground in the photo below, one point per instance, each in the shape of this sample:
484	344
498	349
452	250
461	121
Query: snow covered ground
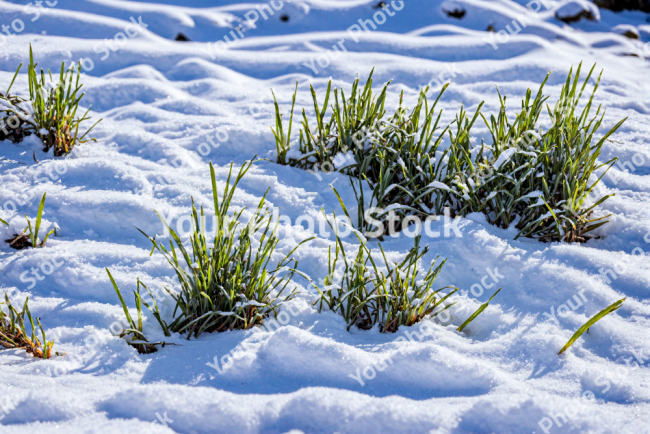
161	100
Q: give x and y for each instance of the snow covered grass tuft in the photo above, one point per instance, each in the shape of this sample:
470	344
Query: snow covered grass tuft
366	296
540	180
228	285
14	336
55	108
397	157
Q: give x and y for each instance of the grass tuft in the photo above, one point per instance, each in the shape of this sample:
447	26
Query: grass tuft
228	284
14	115
539	180
55	108
53	112
29	237
14	336
396	156
366	295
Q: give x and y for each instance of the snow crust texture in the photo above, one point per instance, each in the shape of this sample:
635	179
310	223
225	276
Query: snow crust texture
170	107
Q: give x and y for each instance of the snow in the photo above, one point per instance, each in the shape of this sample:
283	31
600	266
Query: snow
439	185
504	157
574	8
627	30
163	100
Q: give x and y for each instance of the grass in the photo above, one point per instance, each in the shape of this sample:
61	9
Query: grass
406	300
539	180
396	157
30	236
14	125
477	313
354	298
366	295
590	323
228	284
138	339
55	107
282	141
14	336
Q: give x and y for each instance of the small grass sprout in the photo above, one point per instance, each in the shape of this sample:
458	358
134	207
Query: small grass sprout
30	236
13	334
55	106
138	339
477	313
228	284
612	308
282	141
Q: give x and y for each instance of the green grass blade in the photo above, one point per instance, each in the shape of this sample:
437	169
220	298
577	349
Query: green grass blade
477	313
591	322
119	294
37	226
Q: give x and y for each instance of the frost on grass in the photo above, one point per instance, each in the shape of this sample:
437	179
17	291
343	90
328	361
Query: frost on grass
50	112
539	180
228	284
392	295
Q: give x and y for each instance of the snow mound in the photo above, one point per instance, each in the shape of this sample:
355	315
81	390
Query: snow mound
575	10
